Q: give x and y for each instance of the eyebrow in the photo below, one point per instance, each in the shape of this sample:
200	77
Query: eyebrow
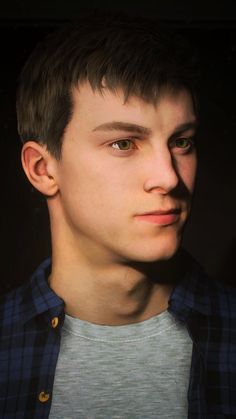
139	129
123	126
191	125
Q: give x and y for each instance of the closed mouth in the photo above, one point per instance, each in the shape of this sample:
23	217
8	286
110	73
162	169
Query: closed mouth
163	212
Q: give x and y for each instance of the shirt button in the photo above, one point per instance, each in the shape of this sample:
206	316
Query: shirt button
54	322
44	397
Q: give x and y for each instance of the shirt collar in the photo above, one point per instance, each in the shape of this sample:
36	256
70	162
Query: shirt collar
38	297
192	293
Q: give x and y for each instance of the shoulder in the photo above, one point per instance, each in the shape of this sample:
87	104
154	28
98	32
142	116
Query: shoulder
10	309
222	297
9	303
24	301
200	293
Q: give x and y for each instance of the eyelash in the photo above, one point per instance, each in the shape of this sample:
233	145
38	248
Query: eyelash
184	150
173	143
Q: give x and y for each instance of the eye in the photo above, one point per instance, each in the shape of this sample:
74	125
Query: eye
183	144
123	145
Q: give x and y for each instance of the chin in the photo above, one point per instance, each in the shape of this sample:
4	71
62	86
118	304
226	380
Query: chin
158	251
158	256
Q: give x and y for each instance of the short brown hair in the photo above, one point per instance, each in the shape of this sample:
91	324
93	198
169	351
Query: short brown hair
133	53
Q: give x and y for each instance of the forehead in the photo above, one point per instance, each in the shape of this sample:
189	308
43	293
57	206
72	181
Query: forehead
95	107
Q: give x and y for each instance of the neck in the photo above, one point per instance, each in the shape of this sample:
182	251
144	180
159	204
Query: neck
113	294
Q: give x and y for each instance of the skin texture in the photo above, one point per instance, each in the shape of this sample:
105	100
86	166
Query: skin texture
109	176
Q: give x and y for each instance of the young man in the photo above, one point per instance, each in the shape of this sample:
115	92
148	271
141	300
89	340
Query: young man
119	323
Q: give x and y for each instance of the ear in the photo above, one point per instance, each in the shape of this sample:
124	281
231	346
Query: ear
40	167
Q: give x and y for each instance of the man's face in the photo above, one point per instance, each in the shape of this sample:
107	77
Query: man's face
126	175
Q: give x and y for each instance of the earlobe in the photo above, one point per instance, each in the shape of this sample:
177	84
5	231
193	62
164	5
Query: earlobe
38	167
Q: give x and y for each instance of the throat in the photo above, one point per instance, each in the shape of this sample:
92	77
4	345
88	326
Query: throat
111	301
142	304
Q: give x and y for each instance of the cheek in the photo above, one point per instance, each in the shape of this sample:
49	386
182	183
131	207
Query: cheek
91	185
187	171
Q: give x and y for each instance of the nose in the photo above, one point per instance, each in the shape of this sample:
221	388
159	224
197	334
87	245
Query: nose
161	174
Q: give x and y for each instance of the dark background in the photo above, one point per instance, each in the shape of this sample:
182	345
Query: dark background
211	28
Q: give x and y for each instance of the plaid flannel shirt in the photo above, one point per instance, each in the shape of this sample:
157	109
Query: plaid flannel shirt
31	319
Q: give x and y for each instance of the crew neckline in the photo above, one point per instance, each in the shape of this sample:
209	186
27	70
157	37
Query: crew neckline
131	332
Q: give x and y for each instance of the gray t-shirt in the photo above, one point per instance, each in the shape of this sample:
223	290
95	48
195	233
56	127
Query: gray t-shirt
137	371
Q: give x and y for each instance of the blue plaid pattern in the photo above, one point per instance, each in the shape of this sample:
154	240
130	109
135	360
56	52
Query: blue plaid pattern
30	344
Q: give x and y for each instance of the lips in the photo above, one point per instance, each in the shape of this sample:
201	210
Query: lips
162	217
163	212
